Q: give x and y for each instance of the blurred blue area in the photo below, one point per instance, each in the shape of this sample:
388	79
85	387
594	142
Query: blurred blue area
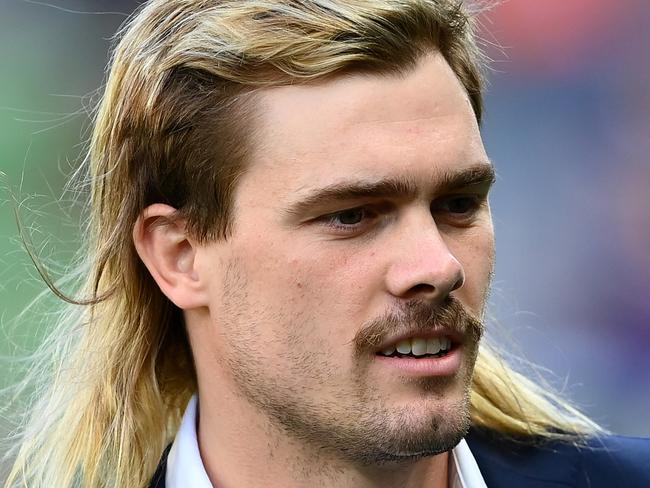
567	126
568	129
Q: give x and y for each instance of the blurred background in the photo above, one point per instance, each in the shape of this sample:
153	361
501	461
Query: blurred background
567	126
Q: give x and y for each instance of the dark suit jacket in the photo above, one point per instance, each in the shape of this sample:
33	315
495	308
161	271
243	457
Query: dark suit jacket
607	462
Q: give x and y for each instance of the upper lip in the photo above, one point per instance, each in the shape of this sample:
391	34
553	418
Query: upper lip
454	336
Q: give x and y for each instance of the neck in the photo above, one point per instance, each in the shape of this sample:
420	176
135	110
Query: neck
241	448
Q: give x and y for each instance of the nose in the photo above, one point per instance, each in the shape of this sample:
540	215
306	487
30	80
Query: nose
423	266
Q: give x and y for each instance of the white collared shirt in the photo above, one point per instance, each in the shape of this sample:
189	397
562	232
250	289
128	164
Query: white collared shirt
185	468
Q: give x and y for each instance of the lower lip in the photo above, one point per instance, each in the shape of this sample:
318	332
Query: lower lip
446	365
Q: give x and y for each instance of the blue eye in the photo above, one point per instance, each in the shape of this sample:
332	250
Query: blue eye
458	206
461	205
350	221
349	217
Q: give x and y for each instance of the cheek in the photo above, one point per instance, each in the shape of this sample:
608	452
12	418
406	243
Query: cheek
325	286
341	276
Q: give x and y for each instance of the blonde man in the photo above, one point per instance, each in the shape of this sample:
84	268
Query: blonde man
290	250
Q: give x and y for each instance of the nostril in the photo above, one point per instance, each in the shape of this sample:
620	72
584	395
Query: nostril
420	289
458	284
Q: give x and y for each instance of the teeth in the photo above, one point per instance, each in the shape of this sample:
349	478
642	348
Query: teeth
404	347
433	346
418	347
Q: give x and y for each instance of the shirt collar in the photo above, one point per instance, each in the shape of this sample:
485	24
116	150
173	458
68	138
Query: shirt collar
464	472
185	468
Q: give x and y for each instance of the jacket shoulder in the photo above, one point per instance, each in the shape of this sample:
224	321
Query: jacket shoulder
158	478
596	462
619	459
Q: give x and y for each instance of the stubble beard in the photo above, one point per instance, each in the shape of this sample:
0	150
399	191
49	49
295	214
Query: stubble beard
373	435
355	424
360	429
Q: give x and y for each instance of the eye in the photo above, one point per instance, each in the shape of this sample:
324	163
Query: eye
349	217
461	205
457	206
350	221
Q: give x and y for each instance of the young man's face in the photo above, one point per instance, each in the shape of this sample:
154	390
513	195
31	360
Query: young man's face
363	213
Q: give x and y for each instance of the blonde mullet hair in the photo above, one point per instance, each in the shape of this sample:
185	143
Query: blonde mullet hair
174	127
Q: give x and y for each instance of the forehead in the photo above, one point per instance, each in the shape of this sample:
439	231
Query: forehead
414	124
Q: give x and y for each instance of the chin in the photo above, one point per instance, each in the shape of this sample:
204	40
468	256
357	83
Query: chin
440	435
419	429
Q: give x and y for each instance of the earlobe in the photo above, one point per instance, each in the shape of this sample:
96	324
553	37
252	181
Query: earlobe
167	251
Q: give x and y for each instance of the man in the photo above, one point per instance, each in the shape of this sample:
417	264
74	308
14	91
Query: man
290	229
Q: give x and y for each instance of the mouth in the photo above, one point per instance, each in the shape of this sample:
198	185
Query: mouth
419	348
441	355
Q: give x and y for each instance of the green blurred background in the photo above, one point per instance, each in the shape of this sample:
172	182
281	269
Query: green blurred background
51	61
567	125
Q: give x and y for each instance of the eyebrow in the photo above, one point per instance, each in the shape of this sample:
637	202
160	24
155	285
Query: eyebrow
402	187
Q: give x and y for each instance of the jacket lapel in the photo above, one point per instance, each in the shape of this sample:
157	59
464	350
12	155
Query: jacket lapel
158	479
506	463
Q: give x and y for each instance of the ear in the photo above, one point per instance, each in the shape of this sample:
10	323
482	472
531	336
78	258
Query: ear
168	252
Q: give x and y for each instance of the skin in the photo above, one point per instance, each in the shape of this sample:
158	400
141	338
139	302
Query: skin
288	395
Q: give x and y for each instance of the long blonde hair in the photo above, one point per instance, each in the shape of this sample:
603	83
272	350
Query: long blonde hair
171	128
